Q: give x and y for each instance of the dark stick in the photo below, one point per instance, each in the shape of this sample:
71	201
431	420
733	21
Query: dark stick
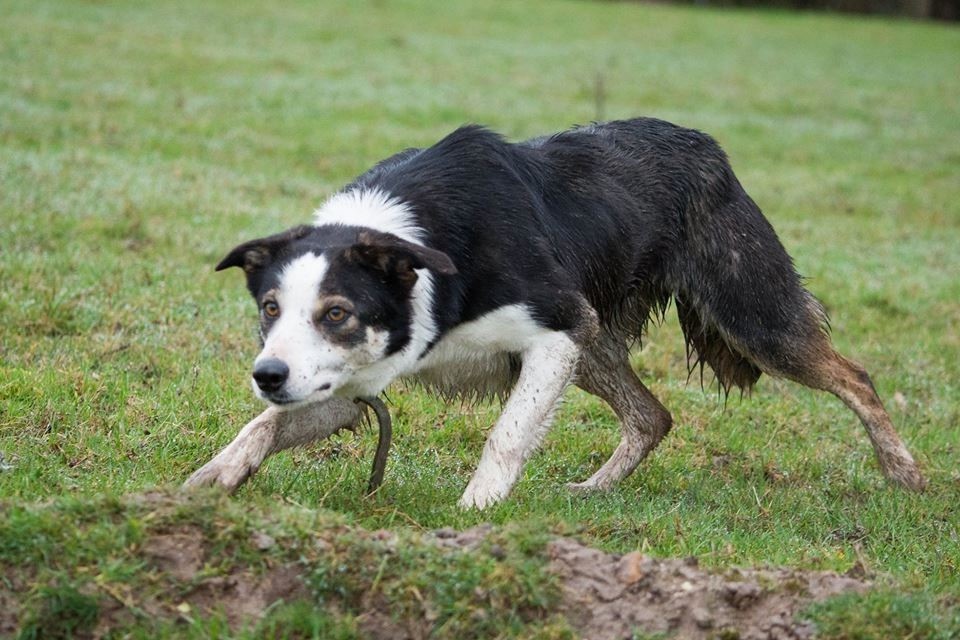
383	444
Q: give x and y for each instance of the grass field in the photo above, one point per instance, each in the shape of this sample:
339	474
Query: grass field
140	141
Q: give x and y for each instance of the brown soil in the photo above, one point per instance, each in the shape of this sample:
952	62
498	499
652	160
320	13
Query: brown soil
178	556
611	596
9	611
605	596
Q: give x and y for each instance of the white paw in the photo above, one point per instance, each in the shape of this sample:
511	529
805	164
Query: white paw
227	472
480	495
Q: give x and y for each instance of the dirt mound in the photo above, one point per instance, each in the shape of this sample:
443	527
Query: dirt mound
179	559
611	596
602	595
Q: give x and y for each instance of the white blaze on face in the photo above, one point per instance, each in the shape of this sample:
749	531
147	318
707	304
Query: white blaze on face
320	364
293	338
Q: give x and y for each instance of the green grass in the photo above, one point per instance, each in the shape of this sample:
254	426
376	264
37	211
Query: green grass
84	547
140	141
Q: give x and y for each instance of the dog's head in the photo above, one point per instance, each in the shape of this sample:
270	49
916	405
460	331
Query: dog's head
334	301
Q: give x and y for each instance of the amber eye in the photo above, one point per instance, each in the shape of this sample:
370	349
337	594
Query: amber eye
271	309
335	315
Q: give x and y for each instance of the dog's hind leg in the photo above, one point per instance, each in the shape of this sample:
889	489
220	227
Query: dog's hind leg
743	309
800	350
605	371
825	369
272	431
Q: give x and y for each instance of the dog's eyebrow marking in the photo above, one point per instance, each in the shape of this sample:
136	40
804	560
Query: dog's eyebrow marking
270	294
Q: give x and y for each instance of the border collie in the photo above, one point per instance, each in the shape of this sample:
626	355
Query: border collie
483	267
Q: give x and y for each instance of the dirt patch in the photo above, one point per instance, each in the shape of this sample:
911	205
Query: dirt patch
604	596
178	552
612	596
9	612
376	623
241	595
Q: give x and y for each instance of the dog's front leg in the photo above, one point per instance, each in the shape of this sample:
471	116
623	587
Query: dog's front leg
272	431
545	372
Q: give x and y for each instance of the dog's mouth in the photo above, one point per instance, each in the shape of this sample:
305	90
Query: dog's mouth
284	399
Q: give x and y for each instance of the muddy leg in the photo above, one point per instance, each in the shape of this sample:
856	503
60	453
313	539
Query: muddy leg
829	371
605	371
272	431
544	375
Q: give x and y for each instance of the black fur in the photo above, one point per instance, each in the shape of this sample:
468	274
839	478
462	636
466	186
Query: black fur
627	215
592	231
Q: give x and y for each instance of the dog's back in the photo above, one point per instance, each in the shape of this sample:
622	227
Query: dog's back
629	213
659	206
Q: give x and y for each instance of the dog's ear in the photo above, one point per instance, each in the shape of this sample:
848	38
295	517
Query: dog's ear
397	258
254	255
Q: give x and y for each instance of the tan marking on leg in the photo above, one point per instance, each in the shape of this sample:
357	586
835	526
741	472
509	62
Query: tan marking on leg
849	382
605	372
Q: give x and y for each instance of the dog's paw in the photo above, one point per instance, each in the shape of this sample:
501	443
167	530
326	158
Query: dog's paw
909	477
222	472
473	501
898	466
480	496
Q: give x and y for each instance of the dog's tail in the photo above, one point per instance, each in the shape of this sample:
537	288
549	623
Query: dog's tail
706	345
741	304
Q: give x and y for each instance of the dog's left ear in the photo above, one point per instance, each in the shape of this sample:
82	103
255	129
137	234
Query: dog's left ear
254	255
397	258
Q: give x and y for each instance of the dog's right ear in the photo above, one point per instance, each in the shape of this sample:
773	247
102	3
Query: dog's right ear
254	255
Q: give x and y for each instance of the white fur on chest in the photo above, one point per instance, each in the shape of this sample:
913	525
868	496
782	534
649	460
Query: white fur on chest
481	356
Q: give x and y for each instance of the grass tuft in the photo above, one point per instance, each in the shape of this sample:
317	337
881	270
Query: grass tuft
884	613
304	621
60	612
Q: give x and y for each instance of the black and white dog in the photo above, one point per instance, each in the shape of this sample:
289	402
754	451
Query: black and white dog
477	266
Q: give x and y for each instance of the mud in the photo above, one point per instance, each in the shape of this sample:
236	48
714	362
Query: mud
241	595
613	597
9	611
178	552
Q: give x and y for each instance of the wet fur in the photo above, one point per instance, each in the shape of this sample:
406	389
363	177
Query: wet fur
578	238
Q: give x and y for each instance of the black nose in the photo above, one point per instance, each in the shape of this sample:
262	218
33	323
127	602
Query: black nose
270	374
